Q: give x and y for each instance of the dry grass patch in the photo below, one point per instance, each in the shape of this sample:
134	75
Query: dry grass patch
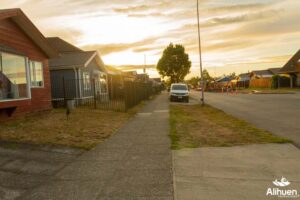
196	126
270	91
84	128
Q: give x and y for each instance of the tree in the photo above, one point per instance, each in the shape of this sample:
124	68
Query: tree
194	81
206	76
174	63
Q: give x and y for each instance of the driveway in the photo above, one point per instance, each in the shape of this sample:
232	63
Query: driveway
278	113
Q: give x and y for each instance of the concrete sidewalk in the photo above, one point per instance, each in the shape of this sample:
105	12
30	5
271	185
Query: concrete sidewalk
235	173
135	163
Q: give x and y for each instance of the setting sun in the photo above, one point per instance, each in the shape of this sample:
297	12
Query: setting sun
237	37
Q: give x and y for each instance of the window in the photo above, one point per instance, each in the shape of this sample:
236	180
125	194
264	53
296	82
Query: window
103	83
86	81
36	74
13	77
179	87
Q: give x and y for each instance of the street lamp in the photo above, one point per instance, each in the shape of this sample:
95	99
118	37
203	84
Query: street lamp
200	57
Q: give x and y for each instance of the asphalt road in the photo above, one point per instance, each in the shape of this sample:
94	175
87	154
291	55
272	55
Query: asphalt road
278	113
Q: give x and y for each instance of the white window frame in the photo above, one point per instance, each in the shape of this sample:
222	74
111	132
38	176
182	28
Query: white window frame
27	78
86	87
30	68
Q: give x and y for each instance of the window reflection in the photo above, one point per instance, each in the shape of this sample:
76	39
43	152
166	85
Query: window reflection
13	79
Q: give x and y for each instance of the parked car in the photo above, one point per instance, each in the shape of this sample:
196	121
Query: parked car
198	89
179	92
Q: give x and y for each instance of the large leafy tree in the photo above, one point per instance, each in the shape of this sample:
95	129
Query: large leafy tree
194	81
174	63
206	76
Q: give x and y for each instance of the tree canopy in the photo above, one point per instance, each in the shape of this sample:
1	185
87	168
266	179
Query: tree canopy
195	81
174	63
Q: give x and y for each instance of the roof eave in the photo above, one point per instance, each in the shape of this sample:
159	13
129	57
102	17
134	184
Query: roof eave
64	67
32	32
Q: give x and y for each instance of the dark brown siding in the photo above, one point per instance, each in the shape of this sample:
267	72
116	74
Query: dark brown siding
12	36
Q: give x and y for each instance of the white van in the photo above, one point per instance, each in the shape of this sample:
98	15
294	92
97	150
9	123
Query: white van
179	92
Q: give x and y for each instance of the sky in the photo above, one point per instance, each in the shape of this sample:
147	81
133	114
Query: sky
236	36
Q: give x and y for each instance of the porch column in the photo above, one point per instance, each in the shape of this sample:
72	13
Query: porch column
291	81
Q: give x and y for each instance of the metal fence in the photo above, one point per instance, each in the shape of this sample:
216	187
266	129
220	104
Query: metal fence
94	94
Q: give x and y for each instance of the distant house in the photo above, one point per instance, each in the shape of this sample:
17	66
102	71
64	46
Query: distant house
222	82
115	79
78	71
24	73
257	74
143	78
292	68
263	78
225	79
243	80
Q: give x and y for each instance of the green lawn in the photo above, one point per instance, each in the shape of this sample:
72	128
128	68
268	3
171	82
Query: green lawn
196	126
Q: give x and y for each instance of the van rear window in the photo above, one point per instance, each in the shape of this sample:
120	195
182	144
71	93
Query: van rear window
179	87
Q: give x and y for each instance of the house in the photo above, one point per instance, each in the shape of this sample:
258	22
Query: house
224	80
24	72
263	78
143	77
115	82
221	83
243	80
292	69
76	74
257	74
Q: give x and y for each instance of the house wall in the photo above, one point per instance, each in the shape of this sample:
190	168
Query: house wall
93	66
57	78
12	36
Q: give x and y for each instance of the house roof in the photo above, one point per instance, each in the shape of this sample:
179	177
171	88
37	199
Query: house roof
224	79
62	46
113	71
264	72
71	56
75	59
244	75
292	64
17	16
274	70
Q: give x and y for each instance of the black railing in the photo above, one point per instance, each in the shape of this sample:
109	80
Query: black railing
94	94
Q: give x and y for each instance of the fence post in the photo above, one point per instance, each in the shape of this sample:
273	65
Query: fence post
126	90
64	92
94	93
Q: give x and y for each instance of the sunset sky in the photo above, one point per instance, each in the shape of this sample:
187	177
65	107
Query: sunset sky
236	35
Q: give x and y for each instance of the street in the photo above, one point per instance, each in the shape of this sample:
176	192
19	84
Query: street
277	113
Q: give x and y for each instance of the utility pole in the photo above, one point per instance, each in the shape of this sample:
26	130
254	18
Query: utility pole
200	57
145	63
